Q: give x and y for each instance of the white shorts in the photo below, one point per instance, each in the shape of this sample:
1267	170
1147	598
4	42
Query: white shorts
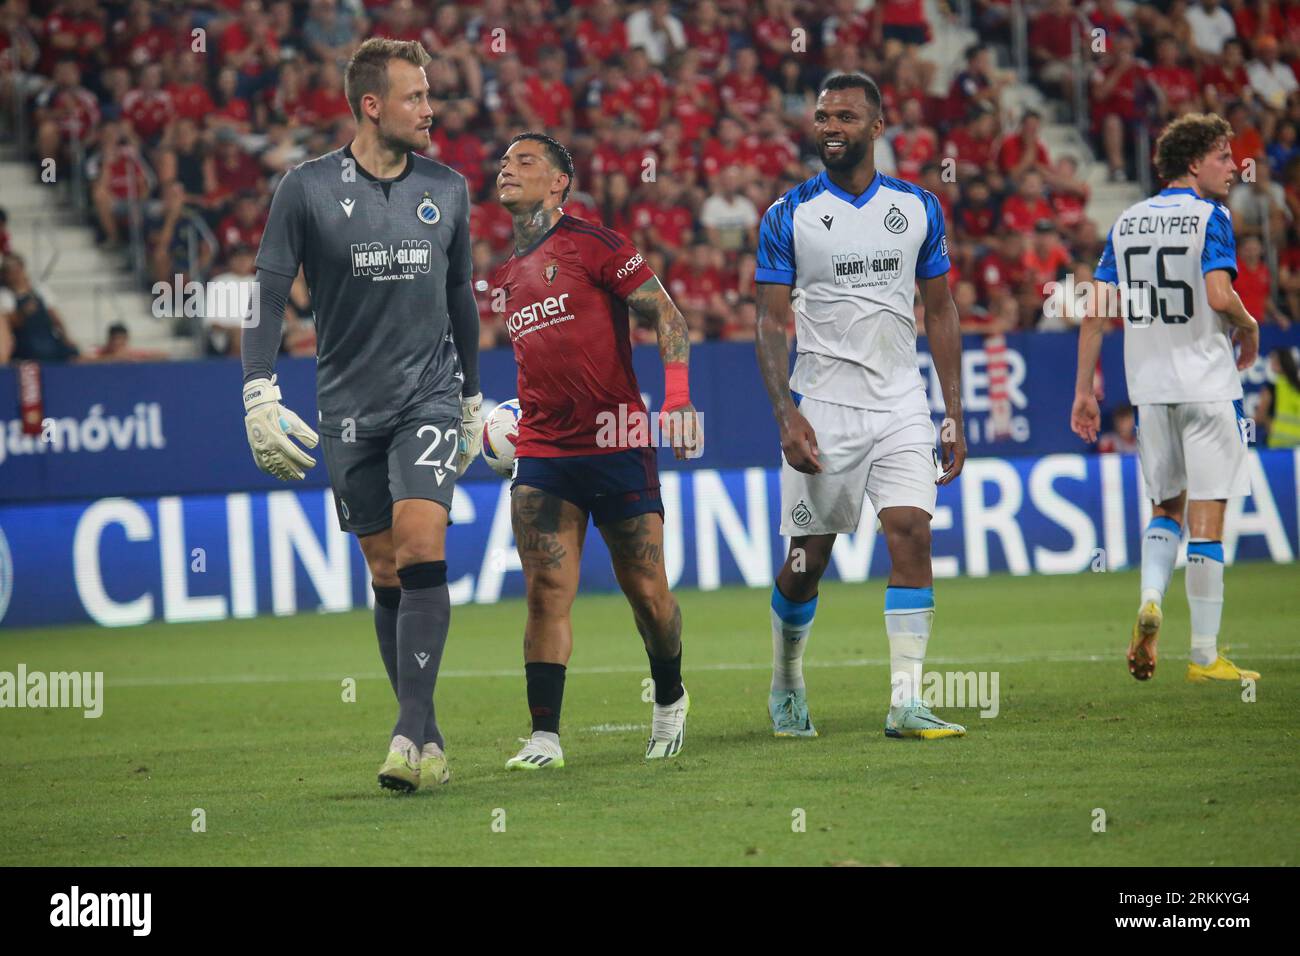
1197	447
887	456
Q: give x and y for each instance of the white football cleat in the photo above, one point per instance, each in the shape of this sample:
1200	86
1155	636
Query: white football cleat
668	728
538	753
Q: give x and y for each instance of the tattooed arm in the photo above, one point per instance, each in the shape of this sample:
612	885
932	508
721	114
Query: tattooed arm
651	303
798	440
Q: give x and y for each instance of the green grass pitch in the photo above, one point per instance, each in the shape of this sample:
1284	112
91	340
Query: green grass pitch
246	720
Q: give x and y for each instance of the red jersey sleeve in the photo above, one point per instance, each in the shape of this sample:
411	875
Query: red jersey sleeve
615	265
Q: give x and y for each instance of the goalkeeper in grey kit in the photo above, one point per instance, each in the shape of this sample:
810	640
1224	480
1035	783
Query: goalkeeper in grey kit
382	236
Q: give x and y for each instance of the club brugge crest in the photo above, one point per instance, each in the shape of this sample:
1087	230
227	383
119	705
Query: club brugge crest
428	211
801	516
549	273
895	221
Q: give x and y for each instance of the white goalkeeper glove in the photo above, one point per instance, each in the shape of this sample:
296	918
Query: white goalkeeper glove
471	432
269	425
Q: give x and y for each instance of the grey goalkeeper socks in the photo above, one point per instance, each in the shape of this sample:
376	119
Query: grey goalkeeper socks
387	601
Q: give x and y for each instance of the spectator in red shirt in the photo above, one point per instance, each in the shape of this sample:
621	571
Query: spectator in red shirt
728	150
1068	194
773	151
148	107
976	215
663	221
65	111
695	283
914	145
602	36
745	91
846	26
189	93
676	156
1226	80
75	29
1247	143
249	45
693	99
1022	211
243	226
1023	151
971	145
1105	16
1054	35
121	180
535	33
231	111
622	153
1175	84
138	39
1046	259
772	33
326	103
706	35
1254	282
549	96
231	170
1118	87
1002	271
649	93
904	21
459	147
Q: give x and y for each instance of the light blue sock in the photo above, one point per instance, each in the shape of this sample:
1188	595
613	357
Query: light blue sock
1205	597
909	616
791	624
1159	552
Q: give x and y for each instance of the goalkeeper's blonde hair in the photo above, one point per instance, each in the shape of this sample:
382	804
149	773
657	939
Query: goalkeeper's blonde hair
367	71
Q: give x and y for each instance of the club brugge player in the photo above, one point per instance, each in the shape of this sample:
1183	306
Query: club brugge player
568	287
382	235
853	416
1176	254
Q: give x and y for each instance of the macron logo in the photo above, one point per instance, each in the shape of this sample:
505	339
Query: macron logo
102	909
347	206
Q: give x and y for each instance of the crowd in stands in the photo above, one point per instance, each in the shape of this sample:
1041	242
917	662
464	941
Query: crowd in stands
686	120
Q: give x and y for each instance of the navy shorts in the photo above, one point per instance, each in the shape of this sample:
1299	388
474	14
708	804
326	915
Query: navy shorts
611	487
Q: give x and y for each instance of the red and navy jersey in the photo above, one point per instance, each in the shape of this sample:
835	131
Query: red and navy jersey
567	319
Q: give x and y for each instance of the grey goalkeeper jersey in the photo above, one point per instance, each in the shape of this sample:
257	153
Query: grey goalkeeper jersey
378	267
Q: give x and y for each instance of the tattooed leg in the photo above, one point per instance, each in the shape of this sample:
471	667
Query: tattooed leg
636	549
549	533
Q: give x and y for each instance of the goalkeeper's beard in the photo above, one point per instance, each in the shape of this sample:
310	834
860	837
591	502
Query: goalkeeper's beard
854	153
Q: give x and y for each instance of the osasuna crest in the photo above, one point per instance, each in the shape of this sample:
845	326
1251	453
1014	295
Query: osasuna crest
801	516
895	221
550	271
428	211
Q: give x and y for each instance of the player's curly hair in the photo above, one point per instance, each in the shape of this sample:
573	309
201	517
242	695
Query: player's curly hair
1186	140
556	152
367	71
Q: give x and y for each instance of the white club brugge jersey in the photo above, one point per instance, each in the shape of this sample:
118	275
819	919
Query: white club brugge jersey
853	262
1176	348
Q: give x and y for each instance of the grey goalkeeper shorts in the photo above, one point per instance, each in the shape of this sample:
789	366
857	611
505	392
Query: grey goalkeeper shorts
368	473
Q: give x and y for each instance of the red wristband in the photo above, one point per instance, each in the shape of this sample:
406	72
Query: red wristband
677	386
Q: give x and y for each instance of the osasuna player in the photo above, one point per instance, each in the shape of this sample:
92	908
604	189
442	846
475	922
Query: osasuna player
845	252
568	288
1173	258
382	235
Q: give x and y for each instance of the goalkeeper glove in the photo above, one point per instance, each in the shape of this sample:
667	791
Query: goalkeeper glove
269	425
471	432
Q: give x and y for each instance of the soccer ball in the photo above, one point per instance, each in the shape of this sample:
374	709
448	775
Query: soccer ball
499	434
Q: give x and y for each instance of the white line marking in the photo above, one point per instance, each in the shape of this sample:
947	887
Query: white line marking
1064	658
